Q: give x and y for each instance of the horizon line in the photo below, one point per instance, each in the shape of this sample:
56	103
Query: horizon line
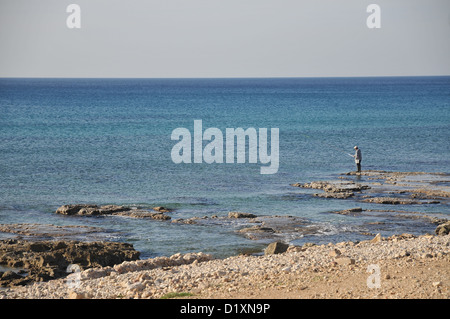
224	77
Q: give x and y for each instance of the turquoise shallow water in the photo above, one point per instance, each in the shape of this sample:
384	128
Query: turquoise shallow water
107	141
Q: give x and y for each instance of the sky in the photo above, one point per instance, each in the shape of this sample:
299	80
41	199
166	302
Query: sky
224	38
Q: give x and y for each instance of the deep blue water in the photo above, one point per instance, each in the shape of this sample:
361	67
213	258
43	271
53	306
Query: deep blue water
107	141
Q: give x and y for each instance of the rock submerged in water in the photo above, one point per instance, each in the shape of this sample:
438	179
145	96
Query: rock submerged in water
137	213
46	231
275	226
350	211
342	195
256	232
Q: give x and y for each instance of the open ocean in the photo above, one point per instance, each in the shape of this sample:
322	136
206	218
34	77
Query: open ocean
108	141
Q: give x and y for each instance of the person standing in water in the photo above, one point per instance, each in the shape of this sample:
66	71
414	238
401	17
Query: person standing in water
358	158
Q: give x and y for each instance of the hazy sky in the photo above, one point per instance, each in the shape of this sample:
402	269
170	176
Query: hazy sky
224	38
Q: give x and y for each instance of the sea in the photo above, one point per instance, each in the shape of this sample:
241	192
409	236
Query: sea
108	141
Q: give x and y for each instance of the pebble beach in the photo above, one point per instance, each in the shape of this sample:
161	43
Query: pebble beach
401	266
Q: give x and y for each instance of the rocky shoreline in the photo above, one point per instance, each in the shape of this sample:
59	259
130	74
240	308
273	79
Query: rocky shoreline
35	263
408	267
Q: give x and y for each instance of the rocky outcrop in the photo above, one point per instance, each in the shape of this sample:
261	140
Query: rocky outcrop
276	248
342	195
336	189
443	229
136	213
45	260
95	210
240	215
90	210
187	221
162	209
430	193
382	187
397	201
350	211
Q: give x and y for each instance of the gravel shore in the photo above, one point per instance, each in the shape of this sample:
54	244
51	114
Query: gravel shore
403	266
